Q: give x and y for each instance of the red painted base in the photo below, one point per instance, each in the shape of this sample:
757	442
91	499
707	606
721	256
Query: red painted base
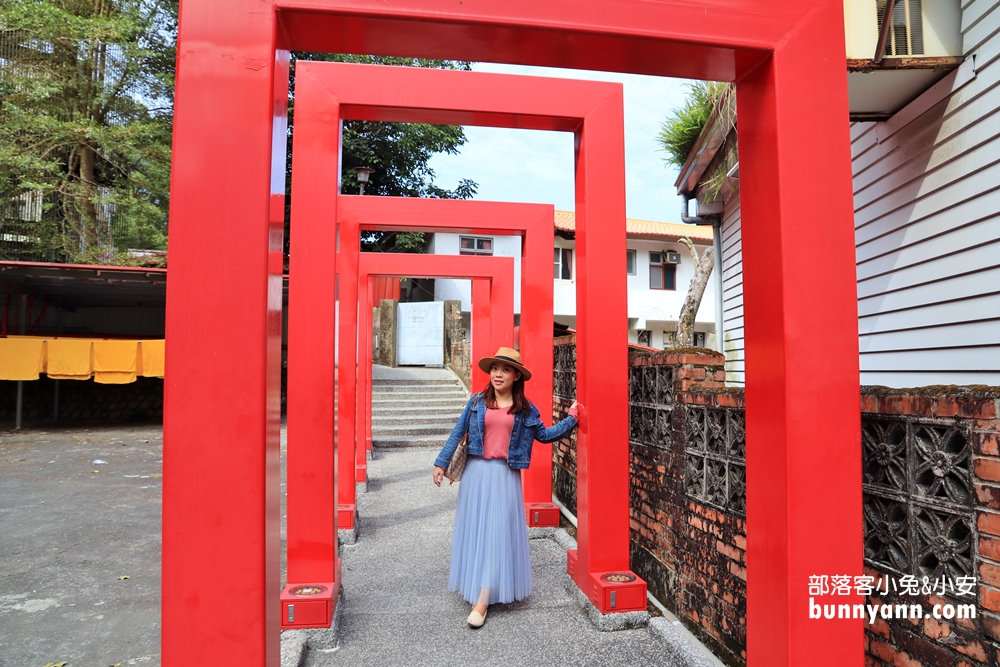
345	516
360	474
611	592
310	605
541	515
619	591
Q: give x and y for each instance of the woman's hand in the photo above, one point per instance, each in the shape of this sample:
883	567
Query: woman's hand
438	475
575	405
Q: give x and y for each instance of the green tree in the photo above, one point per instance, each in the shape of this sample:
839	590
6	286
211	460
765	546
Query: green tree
398	152
86	97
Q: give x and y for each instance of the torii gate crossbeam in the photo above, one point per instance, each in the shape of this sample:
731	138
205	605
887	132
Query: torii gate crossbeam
534	223
222	395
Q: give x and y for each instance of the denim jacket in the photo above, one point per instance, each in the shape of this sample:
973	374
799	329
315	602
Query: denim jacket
526	430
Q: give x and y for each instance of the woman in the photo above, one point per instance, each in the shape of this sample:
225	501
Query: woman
490	562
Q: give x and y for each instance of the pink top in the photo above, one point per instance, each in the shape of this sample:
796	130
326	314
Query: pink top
496	439
499	425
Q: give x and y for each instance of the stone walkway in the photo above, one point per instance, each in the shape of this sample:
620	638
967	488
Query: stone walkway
397	609
80	511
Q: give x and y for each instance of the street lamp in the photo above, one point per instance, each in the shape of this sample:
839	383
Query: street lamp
363	174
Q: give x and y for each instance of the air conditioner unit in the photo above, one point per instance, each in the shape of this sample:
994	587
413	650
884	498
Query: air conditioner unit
673	257
917	28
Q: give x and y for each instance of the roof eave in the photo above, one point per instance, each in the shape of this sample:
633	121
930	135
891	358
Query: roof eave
710	141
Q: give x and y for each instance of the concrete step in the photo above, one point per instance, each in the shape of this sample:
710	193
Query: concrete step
420	389
415	407
396	442
381	429
377	382
407	402
439	413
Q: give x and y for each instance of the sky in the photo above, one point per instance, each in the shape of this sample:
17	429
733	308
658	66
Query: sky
537	167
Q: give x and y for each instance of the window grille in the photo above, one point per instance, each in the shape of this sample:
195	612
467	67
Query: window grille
564	371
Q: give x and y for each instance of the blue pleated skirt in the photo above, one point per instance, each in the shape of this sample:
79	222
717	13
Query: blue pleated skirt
489	547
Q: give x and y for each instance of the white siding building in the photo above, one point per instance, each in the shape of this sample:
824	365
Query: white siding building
927	226
660	271
497	246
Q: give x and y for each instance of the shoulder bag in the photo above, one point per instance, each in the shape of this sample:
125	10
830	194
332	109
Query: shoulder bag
456	466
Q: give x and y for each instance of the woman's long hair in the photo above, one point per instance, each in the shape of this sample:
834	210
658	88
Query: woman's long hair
520	403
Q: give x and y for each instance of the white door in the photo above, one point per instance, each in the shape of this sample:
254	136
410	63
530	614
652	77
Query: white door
420	331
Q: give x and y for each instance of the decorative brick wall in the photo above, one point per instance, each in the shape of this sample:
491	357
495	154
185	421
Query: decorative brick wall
931	484
687	459
931	480
564	393
84	401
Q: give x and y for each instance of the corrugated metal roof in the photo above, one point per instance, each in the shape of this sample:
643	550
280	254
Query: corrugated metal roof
566	221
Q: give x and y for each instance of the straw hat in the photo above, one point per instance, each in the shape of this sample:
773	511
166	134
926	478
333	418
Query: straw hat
507	356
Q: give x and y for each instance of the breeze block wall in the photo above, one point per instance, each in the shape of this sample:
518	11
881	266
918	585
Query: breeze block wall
688	494
564	393
931	480
931	494
689	551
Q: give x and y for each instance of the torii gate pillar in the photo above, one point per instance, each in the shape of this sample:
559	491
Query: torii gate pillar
222	392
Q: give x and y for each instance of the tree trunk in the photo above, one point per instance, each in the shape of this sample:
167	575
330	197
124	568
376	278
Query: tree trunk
702	272
88	223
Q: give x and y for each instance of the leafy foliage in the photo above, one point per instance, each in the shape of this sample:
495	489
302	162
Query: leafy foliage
398	152
86	91
679	132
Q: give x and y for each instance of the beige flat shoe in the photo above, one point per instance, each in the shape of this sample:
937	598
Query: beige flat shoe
476	619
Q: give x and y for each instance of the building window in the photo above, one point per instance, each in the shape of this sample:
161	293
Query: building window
474	245
630	261
661	274
563	264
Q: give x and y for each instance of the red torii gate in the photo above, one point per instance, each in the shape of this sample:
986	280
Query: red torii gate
312	560
491	301
482	340
593	112
534	223
492	298
224	300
